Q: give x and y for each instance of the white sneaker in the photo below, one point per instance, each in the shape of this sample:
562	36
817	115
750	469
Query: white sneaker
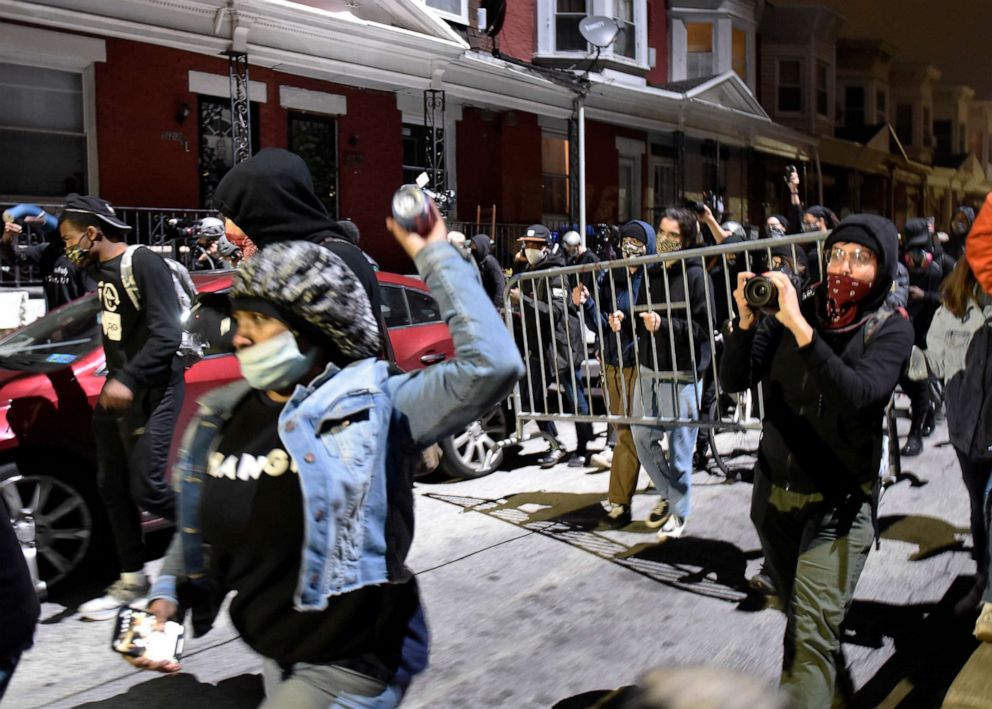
119	593
603	459
672	528
658	515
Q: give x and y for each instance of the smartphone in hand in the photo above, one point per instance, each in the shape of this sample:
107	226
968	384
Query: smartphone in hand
137	634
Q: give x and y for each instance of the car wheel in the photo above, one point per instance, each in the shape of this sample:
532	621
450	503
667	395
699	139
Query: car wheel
53	520
464	454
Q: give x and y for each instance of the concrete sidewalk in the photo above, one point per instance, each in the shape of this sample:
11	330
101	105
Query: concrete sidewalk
531	603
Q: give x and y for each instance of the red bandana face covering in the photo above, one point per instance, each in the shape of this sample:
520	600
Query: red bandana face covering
843	295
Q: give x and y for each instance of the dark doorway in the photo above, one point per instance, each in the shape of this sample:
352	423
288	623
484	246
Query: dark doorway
315	139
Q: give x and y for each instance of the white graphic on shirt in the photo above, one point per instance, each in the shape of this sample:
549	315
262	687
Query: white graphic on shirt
109	296
251	467
113	329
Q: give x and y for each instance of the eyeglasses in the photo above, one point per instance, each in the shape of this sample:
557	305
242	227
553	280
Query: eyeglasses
858	257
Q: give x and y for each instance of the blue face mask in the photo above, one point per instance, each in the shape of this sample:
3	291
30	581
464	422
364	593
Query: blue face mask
276	363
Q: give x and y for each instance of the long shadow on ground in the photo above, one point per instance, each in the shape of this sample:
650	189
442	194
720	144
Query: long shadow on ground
183	691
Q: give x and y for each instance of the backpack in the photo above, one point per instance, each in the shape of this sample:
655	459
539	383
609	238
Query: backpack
191	348
969	421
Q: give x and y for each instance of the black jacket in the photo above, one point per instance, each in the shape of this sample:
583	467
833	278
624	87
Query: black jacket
551	321
685	286
270	197
824	403
493	280
19	607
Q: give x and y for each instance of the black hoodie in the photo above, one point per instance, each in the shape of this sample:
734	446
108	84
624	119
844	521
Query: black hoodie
493	280
270	197
824	403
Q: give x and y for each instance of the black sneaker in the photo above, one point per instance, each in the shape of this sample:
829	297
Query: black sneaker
576	460
617	516
699	460
659	514
929	422
913	447
551	458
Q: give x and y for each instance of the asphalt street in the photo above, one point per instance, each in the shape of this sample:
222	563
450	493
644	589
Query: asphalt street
533	604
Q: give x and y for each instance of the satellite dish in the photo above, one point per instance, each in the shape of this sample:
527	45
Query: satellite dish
599	31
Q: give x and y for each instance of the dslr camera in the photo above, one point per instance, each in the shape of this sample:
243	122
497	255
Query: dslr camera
762	295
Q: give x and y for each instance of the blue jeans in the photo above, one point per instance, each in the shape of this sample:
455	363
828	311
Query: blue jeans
672	475
307	686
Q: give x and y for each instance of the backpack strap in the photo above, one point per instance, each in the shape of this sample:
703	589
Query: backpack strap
127	275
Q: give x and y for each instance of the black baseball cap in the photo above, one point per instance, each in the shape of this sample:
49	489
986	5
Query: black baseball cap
100	208
538	233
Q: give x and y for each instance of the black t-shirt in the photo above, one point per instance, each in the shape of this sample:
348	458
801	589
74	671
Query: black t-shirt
251	514
140	344
62	280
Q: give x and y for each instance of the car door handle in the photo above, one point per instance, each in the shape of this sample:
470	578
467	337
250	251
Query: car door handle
433	358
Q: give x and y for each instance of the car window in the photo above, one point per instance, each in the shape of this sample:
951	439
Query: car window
423	308
57	339
394	310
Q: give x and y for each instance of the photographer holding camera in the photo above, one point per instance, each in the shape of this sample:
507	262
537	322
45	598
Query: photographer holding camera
828	372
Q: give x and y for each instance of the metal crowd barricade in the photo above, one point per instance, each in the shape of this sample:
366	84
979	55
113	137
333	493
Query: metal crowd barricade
540	311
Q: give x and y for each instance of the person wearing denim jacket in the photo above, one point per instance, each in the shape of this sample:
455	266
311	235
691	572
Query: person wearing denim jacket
353	432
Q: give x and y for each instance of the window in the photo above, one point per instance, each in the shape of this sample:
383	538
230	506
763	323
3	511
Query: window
423	308
881	106
625	190
904	123
854	106
739	53
699	51
790	86
942	136
42	132
554	175
315	139
394	306
823	88
216	146
626	42
455	10
415	140
568	14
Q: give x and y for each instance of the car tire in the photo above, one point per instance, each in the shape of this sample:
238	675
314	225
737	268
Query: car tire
57	515
463	454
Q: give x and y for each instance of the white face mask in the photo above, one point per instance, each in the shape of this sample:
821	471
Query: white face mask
534	256
275	363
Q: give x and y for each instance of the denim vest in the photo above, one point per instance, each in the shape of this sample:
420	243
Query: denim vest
343	428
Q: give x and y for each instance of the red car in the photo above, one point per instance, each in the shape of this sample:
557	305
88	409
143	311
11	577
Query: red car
51	373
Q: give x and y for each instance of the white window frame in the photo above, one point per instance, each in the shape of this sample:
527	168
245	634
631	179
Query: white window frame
461	19
725	16
547	42
45	49
804	94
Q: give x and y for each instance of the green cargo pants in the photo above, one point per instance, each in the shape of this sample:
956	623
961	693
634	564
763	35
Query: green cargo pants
815	551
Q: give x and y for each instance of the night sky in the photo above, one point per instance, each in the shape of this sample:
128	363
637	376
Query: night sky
953	35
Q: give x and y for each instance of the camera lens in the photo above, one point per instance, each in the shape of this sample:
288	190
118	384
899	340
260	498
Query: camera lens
760	292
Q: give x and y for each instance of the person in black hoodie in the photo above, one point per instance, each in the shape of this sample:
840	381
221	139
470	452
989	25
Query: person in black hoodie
493	280
136	413
828	368
960	225
925	275
674	331
554	345
270	197
63	281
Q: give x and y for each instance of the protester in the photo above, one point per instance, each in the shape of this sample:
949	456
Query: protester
19	608
965	310
493	280
553	344
611	310
340	623
270	198
62	280
674	349
576	254
924	299
136	412
961	222
828	368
